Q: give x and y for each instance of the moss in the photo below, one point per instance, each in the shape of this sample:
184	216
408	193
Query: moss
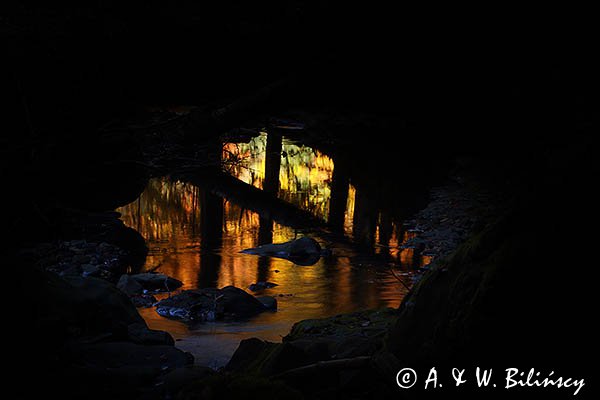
461	299
367	323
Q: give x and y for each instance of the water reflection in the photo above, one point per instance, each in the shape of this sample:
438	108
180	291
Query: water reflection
304	174
196	237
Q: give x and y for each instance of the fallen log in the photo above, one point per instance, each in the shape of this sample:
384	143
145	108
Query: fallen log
267	205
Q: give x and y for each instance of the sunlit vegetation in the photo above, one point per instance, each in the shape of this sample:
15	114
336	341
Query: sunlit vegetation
349	213
304	176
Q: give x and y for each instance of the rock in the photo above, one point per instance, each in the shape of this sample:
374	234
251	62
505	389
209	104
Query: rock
143	300
177	379
81	259
141	334
302	251
249	352
69	270
210	304
261	286
131	355
313	340
90	270
129	286
269	302
157	282
102	305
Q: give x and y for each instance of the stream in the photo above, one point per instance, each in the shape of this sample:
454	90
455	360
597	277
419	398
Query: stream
196	237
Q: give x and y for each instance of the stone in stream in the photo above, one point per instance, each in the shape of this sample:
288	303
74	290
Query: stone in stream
255	287
302	251
269	302
132	288
143	300
91	270
210	305
157	282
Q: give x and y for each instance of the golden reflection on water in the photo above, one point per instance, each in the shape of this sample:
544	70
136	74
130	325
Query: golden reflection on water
349	213
168	215
304	175
197	237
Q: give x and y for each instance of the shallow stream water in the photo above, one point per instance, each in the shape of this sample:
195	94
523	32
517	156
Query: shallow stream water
196	237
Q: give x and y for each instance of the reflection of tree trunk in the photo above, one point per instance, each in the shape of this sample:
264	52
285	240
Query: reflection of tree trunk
251	198
272	162
385	228
265	231
365	219
265	236
264	269
211	236
339	195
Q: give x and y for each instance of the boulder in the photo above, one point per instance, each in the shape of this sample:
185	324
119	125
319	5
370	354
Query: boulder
157	282
342	336
141	334
143	300
255	287
269	302
90	270
100	306
302	251
129	285
210	305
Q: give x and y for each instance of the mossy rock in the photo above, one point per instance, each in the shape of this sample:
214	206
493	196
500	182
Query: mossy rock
369	323
313	340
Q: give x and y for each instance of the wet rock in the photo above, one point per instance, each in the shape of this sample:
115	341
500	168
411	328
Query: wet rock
302	251
143	300
129	286
255	287
210	305
141	334
90	270
269	302
80	257
313	340
157	282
